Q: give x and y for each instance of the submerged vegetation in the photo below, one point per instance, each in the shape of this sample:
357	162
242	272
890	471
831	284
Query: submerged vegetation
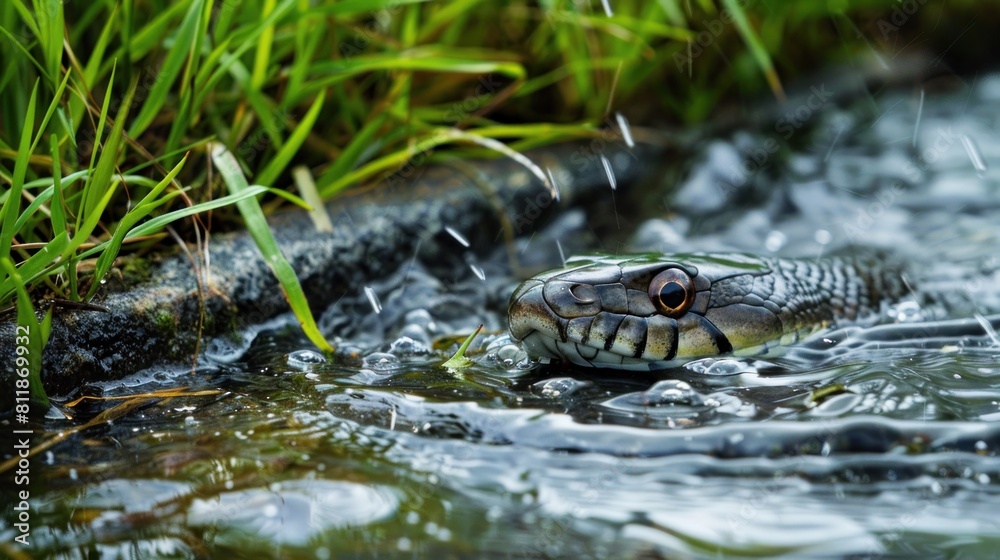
121	119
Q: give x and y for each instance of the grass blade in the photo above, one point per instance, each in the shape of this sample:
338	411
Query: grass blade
26	319
257	225
12	205
99	187
280	161
183	42
756	47
138	212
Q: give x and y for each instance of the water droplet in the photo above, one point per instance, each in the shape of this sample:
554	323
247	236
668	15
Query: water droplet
494	513
983	478
553	185
373	299
823	237
981	445
920	112
625	130
775	241
610	172
607	8
458	236
478	271
978	163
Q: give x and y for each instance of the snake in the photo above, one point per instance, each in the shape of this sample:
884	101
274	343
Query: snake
653	311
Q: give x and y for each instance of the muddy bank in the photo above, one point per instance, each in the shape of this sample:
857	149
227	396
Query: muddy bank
374	232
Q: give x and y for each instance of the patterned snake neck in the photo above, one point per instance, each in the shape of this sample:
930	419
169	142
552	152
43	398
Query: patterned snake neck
653	311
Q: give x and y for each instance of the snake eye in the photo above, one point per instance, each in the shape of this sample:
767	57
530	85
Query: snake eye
671	292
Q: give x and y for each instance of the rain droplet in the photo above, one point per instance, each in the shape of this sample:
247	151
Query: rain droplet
920	111
607	8
823	237
562	256
478	271
458	236
373	299
610	172
975	155
626	131
553	185
775	241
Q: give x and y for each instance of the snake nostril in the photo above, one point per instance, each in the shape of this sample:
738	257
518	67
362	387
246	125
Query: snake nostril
570	299
584	293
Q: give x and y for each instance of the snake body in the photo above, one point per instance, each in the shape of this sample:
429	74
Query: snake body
652	311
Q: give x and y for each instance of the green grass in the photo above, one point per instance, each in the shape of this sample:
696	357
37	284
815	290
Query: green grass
113	113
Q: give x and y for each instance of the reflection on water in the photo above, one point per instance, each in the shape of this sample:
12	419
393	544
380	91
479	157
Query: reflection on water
865	443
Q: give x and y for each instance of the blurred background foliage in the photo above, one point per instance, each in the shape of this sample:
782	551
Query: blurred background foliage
100	101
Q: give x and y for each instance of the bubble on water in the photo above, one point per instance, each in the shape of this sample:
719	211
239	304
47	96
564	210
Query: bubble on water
672	392
775	241
981	445
405	346
720	367
367	377
559	387
381	362
983	478
510	355
225	350
906	312
305	359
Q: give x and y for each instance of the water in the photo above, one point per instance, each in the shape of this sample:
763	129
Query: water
860	445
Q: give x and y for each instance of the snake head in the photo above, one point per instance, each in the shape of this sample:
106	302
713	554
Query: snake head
645	312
